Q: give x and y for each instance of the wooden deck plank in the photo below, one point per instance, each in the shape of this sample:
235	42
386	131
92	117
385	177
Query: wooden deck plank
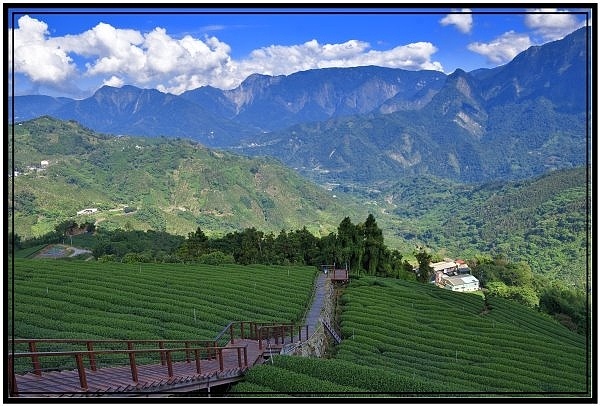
150	377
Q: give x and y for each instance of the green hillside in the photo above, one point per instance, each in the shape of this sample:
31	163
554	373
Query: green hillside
162	184
543	221
405	337
176	186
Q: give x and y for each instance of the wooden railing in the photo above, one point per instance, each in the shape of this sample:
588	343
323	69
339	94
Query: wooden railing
89	350
166	356
260	331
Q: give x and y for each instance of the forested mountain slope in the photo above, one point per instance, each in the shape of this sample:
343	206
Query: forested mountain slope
164	184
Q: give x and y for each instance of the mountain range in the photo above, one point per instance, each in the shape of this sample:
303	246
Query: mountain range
364	126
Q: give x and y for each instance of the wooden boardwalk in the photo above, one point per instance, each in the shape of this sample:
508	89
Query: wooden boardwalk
196	369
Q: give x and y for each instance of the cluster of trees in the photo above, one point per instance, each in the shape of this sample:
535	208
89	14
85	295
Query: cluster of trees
360	247
516	281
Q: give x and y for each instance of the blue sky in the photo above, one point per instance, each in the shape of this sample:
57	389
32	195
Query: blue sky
71	52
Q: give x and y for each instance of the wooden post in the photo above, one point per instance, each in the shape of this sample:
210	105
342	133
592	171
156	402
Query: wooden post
12	379
307	331
161	345
239	351
197	354
81	371
220	353
299	333
169	364
187	352
34	359
132	365
231	332
259	331
246	356
92	356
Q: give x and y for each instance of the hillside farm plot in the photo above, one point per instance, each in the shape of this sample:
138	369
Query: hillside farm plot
417	330
54	251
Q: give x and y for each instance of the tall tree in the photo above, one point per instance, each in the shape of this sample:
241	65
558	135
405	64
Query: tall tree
194	246
373	260
425	269
350	245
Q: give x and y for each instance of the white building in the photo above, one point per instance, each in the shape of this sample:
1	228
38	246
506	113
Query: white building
87	211
460	283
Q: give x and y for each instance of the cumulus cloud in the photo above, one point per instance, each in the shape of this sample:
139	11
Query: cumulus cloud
38	57
462	20
502	49
552	24
114	82
156	59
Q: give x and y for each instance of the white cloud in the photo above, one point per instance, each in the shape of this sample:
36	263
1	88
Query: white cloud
114	82
502	49
284	60
155	59
552	25
462	20
38	57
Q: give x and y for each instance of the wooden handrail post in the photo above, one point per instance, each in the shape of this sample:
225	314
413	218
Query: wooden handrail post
239	351
92	356
246	356
12	379
259	333
81	371
132	365
35	359
169	364
231	332
197	355
220	353
242	330
299	333
161	345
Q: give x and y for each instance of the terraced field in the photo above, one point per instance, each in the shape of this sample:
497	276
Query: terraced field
442	336
90	300
400	338
408	339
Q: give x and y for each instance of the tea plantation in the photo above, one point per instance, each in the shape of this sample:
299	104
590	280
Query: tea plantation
404	338
400	338
64	299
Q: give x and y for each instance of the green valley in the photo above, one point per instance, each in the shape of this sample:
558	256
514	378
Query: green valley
176	186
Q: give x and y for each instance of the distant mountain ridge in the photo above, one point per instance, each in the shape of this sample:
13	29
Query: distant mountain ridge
370	124
516	121
222	117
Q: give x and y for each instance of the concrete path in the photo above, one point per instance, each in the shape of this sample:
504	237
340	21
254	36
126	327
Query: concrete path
312	318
